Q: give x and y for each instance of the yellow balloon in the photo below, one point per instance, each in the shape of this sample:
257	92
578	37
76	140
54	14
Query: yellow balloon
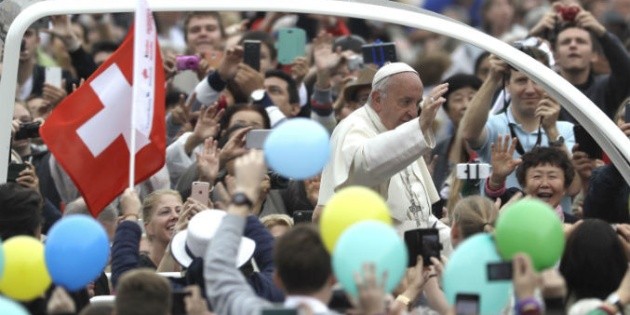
25	275
347	207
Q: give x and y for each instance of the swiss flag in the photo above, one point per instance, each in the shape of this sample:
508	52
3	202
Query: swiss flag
89	132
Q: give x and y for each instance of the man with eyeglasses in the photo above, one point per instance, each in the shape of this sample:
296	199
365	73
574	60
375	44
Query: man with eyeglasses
381	145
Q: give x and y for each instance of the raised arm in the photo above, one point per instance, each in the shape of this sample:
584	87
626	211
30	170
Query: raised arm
472	126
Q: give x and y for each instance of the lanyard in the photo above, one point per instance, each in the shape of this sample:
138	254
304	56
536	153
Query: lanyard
519	147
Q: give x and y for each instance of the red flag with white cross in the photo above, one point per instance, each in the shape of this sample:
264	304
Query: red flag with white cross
89	132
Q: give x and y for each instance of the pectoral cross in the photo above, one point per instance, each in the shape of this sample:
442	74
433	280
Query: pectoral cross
416	211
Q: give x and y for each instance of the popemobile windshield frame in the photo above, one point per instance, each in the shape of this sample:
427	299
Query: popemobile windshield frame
605	132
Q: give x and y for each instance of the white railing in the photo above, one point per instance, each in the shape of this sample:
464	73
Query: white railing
605	132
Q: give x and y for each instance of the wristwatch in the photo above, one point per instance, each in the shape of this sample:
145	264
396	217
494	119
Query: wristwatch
613	299
559	142
241	199
258	95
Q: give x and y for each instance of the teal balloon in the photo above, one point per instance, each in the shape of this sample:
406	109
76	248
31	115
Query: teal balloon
10	307
530	226
369	242
76	251
298	148
466	273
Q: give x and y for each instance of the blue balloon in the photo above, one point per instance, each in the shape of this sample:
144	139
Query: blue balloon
369	242
298	148
10	307
466	273
76	251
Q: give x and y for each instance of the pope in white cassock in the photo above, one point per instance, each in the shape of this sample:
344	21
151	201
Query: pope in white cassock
381	145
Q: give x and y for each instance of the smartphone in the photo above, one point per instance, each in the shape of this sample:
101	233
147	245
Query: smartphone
251	54
200	191
255	139
302	216
279	311
586	143
499	271
179	306
627	116
291	44
466	304
52	76
27	131
379	53
423	242
14	171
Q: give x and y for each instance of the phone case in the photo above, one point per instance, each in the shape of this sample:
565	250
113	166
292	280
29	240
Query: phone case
586	143
53	76
200	191
251	54
291	44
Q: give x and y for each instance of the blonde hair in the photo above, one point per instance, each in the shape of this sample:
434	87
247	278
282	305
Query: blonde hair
474	214
272	220
150	201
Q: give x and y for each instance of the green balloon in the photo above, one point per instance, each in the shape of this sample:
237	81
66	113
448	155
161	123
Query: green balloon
530	226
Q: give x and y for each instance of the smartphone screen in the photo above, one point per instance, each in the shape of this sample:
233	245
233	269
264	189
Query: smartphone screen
251	54
200	191
291	44
586	143
467	304
422	242
53	76
379	53
255	139
500	271
627	116
14	171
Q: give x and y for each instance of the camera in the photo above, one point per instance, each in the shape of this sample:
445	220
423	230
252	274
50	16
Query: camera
27	131
500	271
190	62
473	170
569	13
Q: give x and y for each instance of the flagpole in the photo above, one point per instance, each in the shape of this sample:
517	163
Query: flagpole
134	95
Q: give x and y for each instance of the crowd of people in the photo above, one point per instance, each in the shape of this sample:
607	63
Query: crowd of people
401	129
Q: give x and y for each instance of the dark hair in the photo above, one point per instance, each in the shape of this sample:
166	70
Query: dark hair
533	52
480	59
565	26
21	211
302	262
594	260
542	156
142	291
264	38
460	81
292	88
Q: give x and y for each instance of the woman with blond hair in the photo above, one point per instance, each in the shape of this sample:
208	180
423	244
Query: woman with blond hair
472	215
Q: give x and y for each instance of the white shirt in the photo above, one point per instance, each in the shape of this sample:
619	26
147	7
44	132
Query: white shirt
390	162
316	306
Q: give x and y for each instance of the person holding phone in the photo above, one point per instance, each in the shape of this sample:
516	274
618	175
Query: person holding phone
381	145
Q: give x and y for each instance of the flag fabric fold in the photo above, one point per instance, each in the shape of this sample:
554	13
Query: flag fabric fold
89	131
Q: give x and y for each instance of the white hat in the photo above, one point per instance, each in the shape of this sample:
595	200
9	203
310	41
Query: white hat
194	241
391	69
